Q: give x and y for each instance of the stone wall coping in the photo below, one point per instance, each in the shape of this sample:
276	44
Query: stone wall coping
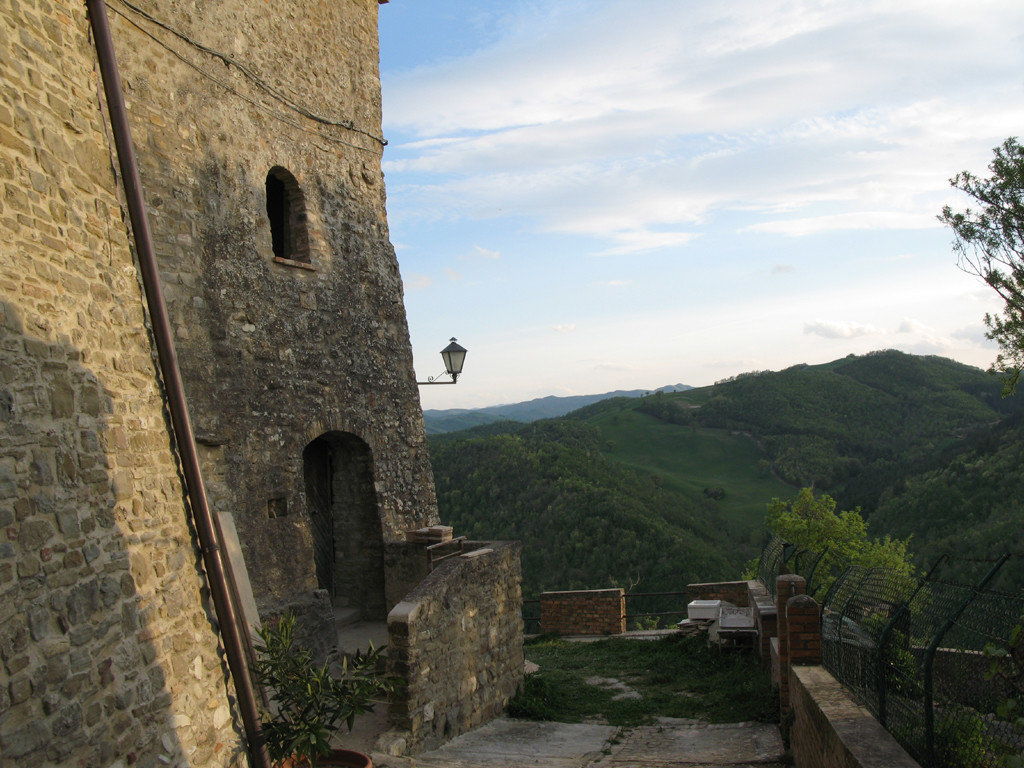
437	577
765	605
737	582
866	743
801	601
405	611
613	591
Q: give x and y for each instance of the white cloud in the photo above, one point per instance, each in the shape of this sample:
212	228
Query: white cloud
416	282
486	254
910	325
843	329
625	125
566	328
874	220
642	242
452	274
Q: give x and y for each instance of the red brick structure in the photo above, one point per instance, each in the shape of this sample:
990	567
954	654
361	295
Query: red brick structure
830	728
585	612
803	619
827	727
735	592
786	587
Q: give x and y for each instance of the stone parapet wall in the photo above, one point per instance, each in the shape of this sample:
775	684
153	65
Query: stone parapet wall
456	642
110	656
829	728
584	612
405	566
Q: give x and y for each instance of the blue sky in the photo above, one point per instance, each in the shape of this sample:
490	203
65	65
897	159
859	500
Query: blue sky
607	194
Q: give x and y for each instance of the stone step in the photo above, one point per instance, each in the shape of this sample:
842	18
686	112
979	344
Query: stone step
346	617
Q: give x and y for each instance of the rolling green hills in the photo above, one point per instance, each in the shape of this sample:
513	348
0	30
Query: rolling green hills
672	487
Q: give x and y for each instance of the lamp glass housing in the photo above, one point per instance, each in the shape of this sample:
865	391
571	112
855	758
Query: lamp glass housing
454	357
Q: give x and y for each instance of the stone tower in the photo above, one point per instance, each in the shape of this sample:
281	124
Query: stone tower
258	129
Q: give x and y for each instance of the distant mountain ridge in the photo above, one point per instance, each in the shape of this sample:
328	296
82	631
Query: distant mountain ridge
454	419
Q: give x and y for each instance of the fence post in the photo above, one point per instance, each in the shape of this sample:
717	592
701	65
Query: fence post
786	586
883	640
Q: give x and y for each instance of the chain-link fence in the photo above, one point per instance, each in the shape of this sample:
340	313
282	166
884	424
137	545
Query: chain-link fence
935	660
779	557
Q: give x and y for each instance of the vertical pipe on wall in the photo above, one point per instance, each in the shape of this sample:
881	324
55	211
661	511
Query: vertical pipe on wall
182	425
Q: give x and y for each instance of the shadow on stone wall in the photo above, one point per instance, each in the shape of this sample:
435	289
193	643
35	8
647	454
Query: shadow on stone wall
109	654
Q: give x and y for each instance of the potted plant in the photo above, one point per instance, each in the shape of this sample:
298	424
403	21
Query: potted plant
308	702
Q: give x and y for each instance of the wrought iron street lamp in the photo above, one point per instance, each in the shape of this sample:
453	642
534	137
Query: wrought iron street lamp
454	356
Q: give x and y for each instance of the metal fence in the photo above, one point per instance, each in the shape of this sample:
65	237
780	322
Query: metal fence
779	557
914	652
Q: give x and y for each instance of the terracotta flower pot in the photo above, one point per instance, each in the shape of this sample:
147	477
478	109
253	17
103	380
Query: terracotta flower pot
346	758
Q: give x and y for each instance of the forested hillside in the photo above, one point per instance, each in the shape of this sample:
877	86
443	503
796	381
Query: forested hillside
585	522
853	426
673	486
970	501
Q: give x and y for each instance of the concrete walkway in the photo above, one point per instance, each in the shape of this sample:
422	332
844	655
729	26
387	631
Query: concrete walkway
506	743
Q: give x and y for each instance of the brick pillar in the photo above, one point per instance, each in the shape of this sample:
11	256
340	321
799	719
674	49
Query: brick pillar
803	619
786	586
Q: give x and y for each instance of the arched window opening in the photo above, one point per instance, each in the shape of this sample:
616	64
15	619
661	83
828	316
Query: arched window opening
286	209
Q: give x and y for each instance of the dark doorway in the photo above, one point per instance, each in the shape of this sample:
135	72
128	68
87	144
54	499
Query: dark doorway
348	540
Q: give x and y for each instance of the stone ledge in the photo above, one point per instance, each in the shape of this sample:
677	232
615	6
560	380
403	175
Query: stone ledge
831	729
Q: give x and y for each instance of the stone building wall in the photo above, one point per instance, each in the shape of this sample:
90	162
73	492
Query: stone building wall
456	641
297	362
109	654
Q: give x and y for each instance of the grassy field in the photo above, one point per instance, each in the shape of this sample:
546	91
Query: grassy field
691	459
676	676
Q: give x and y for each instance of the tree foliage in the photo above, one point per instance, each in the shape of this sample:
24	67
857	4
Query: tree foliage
585	522
989	242
811	522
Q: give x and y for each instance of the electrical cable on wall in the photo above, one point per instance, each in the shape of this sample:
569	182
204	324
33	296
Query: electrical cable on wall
250	74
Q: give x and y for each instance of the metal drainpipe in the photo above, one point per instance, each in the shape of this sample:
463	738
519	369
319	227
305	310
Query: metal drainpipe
182	425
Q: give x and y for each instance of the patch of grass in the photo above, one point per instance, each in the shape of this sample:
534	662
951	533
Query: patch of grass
689	459
675	677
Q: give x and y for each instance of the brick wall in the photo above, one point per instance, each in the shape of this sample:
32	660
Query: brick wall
735	592
584	612
456	641
830	729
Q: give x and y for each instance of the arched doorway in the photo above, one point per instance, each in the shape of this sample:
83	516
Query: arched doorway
348	540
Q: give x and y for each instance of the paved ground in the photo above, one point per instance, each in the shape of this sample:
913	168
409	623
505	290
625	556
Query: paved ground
506	743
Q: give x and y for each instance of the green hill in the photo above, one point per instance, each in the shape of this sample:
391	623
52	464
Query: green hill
970	502
673	486
585	521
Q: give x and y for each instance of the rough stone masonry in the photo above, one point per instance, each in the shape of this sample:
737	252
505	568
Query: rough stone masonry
257	128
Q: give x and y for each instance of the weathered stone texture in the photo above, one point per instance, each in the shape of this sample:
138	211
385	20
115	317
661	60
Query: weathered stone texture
456	641
276	353
108	654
